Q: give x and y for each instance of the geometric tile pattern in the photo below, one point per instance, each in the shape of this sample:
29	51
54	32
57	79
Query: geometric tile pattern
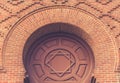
15	2
104	2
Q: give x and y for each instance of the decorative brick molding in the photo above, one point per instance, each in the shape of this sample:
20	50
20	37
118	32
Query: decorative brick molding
20	32
15	2
15	11
104	2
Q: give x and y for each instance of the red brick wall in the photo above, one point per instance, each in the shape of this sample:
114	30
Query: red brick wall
98	22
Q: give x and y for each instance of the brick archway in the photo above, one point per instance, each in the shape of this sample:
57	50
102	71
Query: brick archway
98	37
62	46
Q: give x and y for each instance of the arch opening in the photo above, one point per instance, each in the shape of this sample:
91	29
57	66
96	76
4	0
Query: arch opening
57	53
